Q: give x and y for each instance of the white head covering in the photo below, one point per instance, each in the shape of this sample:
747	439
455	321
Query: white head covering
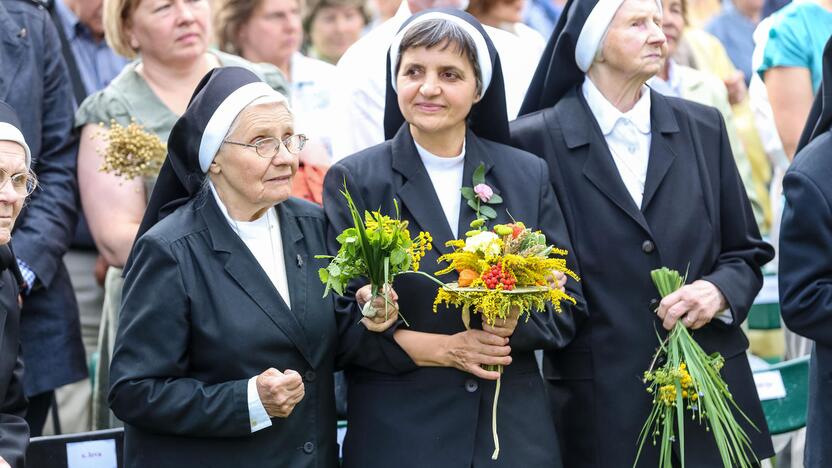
220	122
483	55
594	30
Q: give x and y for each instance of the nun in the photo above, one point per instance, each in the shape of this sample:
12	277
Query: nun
445	116
16	183
226	346
806	263
644	181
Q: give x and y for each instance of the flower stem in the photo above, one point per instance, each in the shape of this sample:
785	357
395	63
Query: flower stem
494	417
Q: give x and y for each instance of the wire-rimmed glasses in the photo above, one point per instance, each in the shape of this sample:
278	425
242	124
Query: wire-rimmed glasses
23	183
269	147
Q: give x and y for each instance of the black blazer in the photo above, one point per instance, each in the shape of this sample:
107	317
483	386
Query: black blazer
805	290
442	416
14	431
199	318
695	216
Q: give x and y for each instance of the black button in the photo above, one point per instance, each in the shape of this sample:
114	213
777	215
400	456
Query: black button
471	385
648	247
309	376
309	447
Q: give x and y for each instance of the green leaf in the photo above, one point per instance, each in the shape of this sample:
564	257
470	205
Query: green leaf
488	212
473	205
479	174
323	274
467	192
495	200
397	256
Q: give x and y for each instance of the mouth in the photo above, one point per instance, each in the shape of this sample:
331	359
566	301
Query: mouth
428	107
187	37
283	179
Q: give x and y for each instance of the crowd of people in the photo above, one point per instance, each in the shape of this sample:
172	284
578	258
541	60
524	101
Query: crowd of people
184	303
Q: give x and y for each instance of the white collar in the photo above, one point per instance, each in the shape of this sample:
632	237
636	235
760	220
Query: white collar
244	229
429	158
608	115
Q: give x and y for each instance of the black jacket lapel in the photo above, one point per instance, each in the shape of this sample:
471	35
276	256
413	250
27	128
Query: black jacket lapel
663	128
416	192
475	154
244	269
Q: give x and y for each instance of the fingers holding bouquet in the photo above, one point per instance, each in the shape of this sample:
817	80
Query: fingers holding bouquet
470	350
504	327
380	312
694	304
557	280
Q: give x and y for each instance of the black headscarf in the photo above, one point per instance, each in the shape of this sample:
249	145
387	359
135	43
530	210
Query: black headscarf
10	130
820	117
488	118
557	71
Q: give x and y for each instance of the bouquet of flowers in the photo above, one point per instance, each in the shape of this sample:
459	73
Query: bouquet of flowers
131	151
689	381
507	267
378	248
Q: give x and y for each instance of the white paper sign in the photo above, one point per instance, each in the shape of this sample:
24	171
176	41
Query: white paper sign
92	454
769	385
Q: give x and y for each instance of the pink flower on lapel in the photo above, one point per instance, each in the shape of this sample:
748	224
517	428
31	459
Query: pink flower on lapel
484	192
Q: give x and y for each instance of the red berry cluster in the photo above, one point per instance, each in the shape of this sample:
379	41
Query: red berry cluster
496	276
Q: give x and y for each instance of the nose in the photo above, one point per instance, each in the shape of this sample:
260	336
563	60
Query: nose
186	14
7	192
657	36
430	87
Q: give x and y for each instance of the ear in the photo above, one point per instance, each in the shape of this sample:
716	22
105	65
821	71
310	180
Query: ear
214	168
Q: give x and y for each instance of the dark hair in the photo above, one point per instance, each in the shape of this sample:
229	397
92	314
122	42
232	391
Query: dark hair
443	34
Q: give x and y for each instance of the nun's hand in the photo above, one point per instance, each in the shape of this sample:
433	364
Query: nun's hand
695	304
279	391
381	312
557	280
468	351
503	327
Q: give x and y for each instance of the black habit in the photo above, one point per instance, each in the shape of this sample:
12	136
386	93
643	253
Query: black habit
806	263
14	431
433	416
694	216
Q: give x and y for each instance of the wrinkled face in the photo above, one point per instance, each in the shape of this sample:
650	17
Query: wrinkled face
273	33
673	23
418	5
12	161
334	29
635	46
170	30
436	88
246	181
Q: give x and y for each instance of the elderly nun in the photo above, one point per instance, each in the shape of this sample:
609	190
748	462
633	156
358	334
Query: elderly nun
16	183
445	116
226	346
644	181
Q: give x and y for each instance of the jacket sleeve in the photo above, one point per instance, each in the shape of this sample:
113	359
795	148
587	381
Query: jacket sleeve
149	383
357	346
14	431
45	228
548	329
806	259
737	271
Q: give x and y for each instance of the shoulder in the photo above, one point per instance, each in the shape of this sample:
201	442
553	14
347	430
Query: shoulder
183	222
367	160
29	13
813	161
529	124
109	103
701	115
300	208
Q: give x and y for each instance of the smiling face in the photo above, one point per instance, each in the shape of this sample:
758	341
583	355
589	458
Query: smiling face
273	33
170	30
635	47
247	183
436	89
12	161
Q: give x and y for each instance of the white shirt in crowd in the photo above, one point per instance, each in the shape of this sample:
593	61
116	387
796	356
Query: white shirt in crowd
361	76
263	239
446	176
313	89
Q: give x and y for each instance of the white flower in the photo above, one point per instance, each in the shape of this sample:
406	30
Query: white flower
485	242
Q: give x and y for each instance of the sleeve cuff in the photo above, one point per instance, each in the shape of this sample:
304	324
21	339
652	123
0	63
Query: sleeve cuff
257	415
28	275
726	317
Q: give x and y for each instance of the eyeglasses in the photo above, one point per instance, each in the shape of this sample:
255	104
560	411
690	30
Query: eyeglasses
22	183
269	147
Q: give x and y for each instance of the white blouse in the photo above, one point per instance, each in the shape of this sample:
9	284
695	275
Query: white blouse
446	175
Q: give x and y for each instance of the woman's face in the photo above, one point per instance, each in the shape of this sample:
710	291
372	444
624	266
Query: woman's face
436	88
635	46
673	23
334	29
12	161
245	181
273	33
170	30
507	11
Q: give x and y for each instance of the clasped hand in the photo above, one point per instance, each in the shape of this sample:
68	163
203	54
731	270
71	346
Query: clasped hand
386	308
279	391
695	304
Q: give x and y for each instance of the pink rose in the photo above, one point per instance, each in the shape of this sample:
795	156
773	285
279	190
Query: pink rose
483	192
